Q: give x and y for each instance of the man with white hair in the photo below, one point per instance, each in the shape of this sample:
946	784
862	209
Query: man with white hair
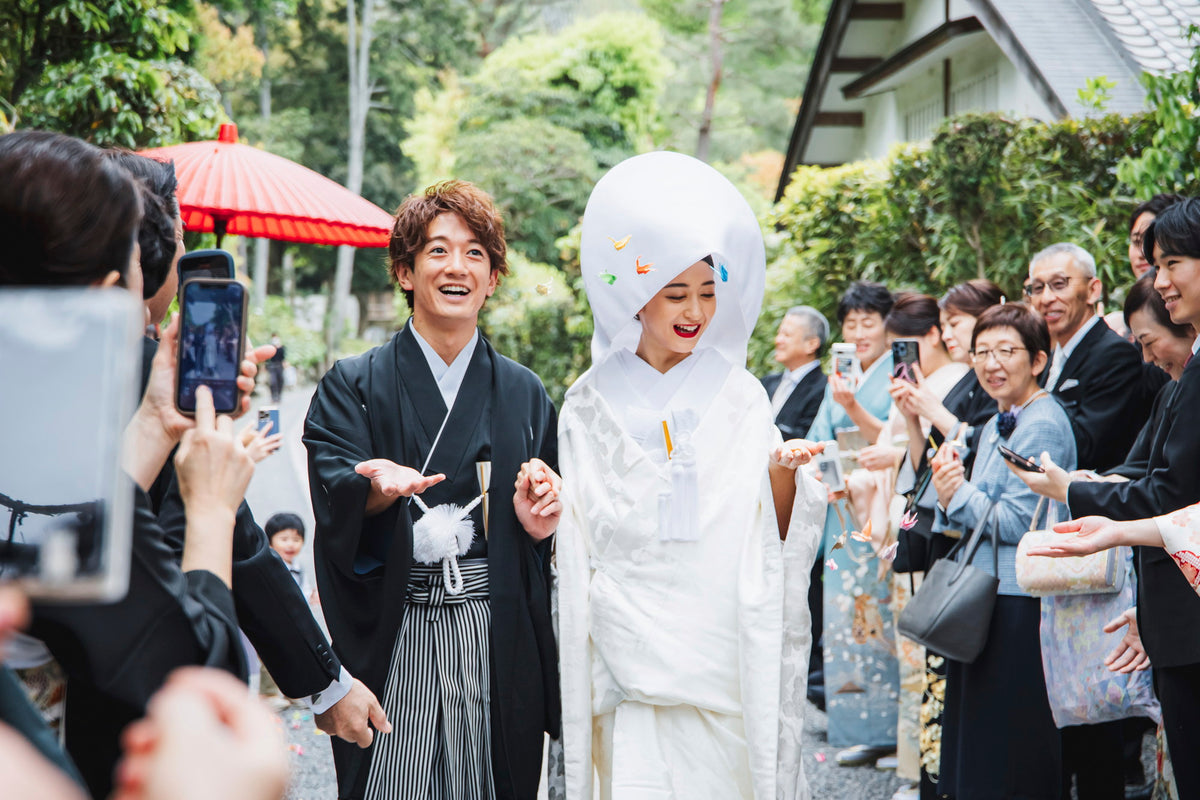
796	393
1094	372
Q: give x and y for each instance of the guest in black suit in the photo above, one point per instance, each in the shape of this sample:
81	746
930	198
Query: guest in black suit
272	612
70	219
796	393
1168	611
1094	373
1097	376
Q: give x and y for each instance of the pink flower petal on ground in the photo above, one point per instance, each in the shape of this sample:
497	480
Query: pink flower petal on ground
821	757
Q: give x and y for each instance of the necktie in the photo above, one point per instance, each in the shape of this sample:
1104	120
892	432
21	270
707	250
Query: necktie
782	392
1056	366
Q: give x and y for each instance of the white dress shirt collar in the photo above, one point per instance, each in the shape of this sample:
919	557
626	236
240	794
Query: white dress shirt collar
449	377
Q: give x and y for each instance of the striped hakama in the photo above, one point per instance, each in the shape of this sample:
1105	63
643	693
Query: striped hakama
438	695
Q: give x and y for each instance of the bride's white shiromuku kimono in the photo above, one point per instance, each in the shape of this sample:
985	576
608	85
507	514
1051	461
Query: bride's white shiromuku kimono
683	619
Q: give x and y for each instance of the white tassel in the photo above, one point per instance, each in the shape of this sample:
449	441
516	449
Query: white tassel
680	519
442	534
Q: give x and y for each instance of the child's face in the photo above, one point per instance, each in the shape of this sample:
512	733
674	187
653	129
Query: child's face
288	543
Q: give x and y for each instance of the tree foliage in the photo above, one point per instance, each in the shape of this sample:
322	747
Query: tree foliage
1172	161
112	98
981	198
541	118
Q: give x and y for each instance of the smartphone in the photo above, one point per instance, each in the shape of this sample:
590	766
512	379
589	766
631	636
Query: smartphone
846	364
212	337
906	355
70	365
268	418
829	463
1019	461
206	264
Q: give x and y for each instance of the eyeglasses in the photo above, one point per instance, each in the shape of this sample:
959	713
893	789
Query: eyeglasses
1057	286
1003	355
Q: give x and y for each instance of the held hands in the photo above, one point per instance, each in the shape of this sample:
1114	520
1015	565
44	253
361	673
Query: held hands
213	467
796	453
1053	483
948	473
536	498
392	480
1129	655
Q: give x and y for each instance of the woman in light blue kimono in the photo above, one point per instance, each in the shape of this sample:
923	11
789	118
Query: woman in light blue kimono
861	672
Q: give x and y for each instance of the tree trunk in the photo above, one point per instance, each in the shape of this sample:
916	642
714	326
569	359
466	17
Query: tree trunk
289	276
262	254
704	141
262	247
358	50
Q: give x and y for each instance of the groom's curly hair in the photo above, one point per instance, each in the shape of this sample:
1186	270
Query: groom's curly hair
414	216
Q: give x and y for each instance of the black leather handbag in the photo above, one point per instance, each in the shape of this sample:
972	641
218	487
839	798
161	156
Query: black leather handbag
952	610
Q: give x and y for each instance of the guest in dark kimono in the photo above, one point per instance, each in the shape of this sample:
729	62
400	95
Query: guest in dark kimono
436	590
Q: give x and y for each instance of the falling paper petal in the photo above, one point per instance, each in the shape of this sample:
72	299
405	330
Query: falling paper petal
821	757
620	245
831	564
861	536
643	269
889	553
608	278
724	274
544	288
839	542
866	531
908	520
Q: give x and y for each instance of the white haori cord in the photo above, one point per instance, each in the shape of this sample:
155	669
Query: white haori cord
444	533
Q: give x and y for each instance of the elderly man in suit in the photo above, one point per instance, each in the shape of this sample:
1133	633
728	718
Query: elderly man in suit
796	393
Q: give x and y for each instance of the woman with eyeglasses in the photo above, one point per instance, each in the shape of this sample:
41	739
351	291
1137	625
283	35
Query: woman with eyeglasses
999	739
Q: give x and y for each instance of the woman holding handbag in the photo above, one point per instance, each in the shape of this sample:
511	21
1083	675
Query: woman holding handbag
999	739
959	415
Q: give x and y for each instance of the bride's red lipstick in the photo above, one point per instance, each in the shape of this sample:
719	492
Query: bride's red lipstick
686	334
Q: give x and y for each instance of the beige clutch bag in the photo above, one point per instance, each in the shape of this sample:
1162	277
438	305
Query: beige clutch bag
1043	576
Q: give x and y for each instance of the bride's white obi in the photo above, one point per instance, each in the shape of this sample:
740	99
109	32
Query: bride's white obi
683	652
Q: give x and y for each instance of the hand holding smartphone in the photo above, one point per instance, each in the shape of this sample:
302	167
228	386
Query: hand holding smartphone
212	337
846	364
1019	461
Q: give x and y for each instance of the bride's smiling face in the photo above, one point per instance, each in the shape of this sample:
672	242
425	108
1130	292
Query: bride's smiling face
675	318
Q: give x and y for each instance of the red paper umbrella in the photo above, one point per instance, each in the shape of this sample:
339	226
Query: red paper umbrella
233	188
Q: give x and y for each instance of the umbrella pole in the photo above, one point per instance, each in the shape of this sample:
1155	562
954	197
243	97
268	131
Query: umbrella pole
219	229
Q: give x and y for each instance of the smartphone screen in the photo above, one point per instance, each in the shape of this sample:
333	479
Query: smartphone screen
268	418
905	355
211	334
206	264
69	361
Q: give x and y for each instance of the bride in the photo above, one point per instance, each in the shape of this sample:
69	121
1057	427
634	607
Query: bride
688	534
